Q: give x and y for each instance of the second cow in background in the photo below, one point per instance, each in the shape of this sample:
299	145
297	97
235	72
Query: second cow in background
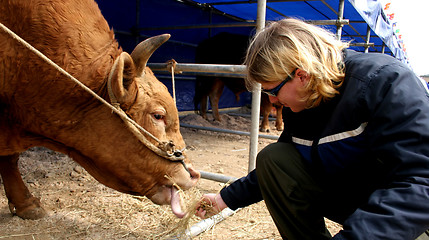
226	48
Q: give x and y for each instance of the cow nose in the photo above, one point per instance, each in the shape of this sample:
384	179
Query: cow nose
194	173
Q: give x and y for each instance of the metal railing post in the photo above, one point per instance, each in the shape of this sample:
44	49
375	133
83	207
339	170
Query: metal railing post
256	95
340	18
368	36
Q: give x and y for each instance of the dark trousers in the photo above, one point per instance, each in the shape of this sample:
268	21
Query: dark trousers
290	193
296	200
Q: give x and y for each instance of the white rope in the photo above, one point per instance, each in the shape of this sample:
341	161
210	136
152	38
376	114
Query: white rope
172	63
69	76
173	84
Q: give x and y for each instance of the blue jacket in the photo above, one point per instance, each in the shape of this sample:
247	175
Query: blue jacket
372	138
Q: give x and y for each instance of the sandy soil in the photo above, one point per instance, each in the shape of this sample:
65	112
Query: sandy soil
81	208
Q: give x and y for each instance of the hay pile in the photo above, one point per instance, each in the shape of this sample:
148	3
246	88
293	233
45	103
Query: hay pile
179	228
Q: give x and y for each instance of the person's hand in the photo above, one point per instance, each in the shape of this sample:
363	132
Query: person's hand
210	204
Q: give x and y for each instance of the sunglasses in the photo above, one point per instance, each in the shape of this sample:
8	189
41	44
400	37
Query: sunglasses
273	92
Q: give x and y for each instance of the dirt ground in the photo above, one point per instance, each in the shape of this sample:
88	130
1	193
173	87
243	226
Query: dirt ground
81	208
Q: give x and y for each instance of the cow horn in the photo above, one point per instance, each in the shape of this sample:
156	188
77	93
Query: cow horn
145	49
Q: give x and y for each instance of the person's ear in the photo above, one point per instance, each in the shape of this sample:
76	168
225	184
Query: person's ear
303	76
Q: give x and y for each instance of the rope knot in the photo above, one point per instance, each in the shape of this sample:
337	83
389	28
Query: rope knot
171	66
170	149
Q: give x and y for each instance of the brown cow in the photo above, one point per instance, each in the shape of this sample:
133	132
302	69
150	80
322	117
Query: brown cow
41	107
266	109
227	48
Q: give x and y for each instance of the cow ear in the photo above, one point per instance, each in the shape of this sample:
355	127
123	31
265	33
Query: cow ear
121	78
145	49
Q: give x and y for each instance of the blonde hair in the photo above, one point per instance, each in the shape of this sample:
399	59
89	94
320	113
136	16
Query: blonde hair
288	44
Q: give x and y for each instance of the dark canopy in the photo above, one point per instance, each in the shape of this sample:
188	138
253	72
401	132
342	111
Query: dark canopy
190	22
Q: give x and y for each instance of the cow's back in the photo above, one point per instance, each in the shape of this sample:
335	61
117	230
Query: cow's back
43	22
223	48
68	32
74	35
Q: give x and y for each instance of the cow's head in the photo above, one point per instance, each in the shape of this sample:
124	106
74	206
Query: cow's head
147	101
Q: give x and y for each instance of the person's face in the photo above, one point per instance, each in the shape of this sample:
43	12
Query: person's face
289	93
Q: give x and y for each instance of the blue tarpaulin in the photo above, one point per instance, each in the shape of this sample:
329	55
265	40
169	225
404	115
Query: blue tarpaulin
187	21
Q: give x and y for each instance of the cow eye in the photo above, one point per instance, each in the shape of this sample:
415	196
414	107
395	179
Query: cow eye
158	116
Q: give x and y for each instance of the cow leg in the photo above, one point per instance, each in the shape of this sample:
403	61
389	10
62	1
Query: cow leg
21	202
203	107
266	106
279	117
215	97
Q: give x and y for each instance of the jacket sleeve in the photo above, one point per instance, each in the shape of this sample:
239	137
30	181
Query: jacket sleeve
243	192
398	127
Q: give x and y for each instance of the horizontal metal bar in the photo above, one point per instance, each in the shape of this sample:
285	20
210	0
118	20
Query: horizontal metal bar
239	24
252	1
227	131
335	22
206	224
185	78
217	177
191	67
223	75
359	36
357	21
249	116
197	26
362	44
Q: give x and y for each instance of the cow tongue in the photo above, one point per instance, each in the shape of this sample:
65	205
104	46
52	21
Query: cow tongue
176	203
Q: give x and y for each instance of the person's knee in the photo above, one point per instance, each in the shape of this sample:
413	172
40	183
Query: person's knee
266	156
263	156
270	156
277	156
274	151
